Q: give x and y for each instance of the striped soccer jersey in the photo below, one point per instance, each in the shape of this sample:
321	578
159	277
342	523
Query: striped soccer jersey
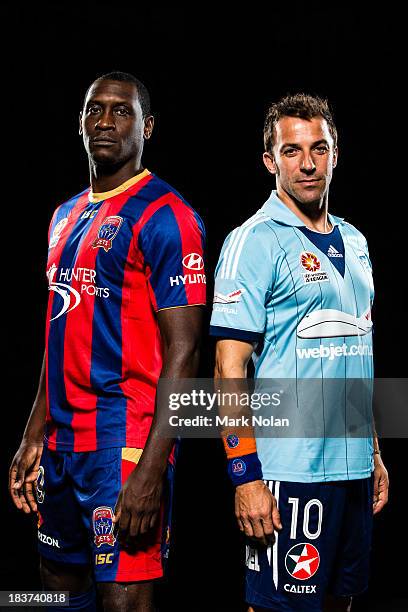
305	298
114	260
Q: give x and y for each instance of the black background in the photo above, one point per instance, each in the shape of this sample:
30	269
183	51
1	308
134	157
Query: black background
212	71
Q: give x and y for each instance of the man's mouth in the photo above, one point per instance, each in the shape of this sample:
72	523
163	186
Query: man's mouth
313	180
103	140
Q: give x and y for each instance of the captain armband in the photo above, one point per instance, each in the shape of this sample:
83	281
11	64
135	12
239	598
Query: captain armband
243	462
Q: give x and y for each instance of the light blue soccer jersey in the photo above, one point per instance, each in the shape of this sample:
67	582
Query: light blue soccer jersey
306	298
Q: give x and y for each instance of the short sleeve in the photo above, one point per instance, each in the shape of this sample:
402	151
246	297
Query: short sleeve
52	224
242	286
358	243
172	245
368	255
368	266
57	224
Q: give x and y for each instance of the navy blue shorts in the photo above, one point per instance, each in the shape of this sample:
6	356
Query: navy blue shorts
76	494
322	548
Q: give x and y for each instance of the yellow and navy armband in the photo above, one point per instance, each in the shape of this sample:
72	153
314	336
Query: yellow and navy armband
243	462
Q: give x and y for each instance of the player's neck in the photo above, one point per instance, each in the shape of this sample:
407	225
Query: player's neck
106	178
313	214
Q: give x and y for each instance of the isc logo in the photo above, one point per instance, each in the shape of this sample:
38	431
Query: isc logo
103	558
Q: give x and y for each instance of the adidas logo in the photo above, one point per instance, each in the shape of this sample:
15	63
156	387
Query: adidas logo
332	252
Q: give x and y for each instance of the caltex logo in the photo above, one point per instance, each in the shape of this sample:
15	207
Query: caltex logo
302	561
309	261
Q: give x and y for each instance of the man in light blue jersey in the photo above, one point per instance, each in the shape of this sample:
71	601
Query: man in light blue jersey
294	290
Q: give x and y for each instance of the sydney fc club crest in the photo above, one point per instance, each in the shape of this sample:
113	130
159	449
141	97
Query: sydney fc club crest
107	232
302	561
102	520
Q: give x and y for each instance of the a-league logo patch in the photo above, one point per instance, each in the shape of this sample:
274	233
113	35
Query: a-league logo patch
107	232
102	520
56	234
310	262
302	561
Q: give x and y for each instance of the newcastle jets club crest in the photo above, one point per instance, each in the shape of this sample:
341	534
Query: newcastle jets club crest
107	232
302	561
102	520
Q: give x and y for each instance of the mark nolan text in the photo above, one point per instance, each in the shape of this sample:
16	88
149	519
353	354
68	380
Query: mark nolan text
226	421
253	420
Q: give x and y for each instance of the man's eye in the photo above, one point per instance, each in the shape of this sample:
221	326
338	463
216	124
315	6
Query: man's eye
121	111
93	110
289	152
322	149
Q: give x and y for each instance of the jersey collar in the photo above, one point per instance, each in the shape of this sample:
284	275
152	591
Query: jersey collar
278	211
103	195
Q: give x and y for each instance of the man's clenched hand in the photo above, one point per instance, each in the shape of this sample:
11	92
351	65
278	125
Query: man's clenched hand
138	506
22	476
381	485
256	511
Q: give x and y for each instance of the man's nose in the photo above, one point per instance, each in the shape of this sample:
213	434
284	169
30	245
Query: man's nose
307	165
105	121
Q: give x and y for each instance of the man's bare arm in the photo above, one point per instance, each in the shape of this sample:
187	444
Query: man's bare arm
255	506
381	480
138	504
24	467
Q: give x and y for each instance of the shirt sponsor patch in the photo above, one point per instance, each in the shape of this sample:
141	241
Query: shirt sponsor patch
193	261
230	298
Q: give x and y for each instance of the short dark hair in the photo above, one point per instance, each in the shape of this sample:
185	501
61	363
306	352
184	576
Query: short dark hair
300	105
126	77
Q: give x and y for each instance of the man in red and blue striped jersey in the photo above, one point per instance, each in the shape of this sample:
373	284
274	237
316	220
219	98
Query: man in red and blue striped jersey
125	258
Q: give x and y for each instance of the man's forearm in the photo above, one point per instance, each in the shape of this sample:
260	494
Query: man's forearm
376	443
34	431
179	362
239	440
